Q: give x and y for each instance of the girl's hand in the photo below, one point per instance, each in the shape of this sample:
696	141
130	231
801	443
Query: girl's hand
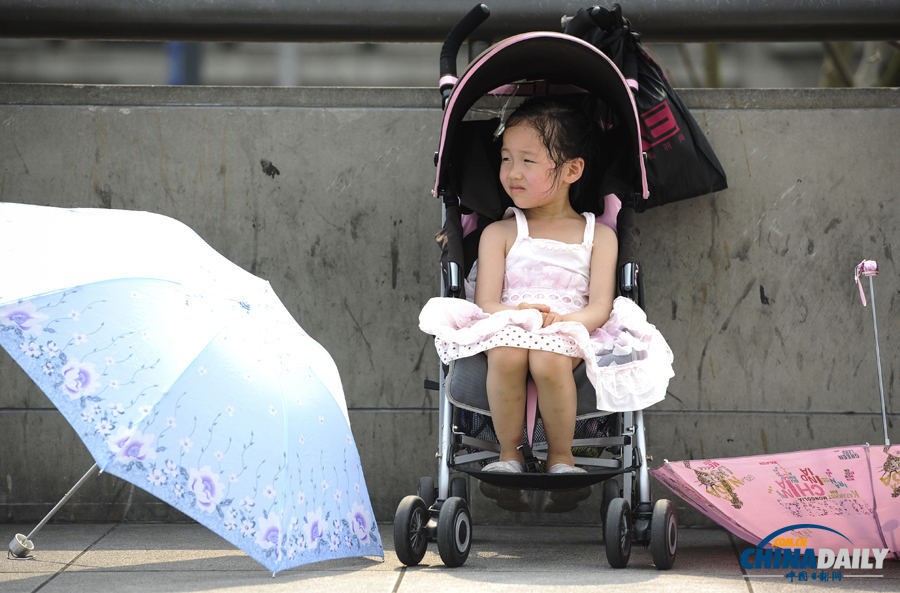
541	308
548	315
550	318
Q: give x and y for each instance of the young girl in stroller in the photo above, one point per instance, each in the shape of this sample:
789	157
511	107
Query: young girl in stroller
545	293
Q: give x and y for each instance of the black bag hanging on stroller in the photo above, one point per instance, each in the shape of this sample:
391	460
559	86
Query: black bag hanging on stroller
680	162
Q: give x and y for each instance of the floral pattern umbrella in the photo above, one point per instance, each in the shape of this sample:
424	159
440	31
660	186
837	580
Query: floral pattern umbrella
186	376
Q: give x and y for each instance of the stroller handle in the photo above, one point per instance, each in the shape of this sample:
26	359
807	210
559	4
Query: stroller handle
454	40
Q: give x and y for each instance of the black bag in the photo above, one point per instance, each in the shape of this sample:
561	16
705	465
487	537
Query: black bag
680	162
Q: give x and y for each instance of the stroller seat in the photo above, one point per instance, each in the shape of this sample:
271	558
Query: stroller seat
595	430
467	388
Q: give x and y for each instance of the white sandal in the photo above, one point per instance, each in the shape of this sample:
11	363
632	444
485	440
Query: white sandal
505	467
562	468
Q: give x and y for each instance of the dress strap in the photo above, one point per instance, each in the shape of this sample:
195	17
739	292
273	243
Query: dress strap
589	228
521	223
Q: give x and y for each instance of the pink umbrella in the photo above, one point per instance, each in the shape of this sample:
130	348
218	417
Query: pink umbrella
852	490
806	499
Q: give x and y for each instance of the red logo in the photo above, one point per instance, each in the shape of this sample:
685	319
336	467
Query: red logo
657	125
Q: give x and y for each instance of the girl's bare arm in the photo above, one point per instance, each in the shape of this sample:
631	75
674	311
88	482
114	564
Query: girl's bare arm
492	249
603	280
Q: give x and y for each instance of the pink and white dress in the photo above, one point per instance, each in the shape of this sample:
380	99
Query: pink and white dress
627	360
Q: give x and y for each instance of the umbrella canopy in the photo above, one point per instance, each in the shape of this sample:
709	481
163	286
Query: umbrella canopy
854	491
186	376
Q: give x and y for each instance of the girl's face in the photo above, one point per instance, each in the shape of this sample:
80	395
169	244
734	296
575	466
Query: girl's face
526	171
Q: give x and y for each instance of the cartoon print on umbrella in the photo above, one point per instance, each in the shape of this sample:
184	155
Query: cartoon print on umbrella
717	477
889	470
847	489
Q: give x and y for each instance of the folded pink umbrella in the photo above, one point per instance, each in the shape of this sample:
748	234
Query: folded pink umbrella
852	490
826	496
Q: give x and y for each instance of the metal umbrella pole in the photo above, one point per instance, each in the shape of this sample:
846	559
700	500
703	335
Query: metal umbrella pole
21	546
870	268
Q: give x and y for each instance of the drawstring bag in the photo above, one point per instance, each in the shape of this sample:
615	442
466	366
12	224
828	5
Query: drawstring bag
680	162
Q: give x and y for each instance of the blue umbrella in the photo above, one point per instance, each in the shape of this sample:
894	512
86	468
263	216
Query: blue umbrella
186	376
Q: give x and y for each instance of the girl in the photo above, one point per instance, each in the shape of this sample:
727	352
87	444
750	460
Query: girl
545	294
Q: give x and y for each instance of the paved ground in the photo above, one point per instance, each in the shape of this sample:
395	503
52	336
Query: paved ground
187	558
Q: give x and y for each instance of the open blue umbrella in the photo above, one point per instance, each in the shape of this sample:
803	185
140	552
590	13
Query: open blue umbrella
186	376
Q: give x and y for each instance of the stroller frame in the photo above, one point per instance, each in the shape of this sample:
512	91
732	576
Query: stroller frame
441	512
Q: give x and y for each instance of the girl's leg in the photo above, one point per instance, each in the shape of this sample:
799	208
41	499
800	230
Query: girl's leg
552	373
507	372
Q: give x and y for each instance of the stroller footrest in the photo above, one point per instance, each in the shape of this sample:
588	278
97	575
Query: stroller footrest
533	481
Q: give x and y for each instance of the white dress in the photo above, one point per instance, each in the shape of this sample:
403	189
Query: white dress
627	359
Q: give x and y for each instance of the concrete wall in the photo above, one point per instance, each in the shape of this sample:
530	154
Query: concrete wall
752	286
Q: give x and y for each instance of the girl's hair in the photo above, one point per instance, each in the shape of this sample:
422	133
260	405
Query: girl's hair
567	132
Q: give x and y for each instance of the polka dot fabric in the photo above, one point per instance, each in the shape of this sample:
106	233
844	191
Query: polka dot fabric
512	336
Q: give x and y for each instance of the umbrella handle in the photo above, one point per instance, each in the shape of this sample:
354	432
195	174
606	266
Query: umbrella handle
887	441
21	546
868	267
64	499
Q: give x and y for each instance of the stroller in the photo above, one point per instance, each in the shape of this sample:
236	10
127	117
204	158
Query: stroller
607	444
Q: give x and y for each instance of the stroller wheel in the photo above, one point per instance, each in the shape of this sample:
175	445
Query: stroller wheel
617	533
610	491
410	538
426	491
454	532
663	534
458	488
